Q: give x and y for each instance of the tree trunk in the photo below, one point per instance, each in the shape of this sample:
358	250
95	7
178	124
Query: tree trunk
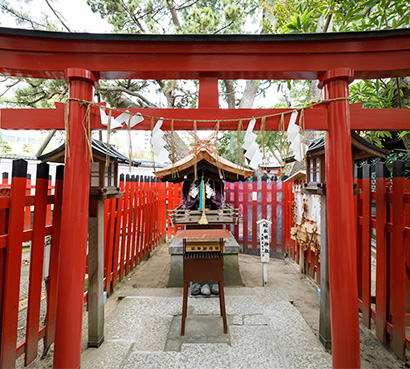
248	95
174	15
230	93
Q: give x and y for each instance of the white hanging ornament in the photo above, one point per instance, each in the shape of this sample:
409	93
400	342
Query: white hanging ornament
209	192
252	150
293	128
104	119
193	192
158	143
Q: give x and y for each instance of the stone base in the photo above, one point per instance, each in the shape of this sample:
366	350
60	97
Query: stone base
96	344
232	276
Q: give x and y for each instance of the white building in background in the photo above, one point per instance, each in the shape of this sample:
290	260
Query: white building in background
21	140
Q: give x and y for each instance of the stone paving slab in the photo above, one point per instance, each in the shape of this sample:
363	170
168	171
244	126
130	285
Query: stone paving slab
198	329
204	356
125	320
150	360
109	355
264	331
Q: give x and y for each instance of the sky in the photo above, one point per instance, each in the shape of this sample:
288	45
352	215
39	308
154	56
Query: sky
77	15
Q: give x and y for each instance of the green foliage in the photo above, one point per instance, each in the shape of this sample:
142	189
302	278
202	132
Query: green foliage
301	22
347	15
275	146
29	149
379	93
5	148
147	16
37	93
228	146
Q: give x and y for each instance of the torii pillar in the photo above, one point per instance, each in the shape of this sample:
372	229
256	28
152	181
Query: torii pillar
74	224
341	221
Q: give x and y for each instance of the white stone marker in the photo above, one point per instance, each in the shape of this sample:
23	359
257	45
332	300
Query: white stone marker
264	237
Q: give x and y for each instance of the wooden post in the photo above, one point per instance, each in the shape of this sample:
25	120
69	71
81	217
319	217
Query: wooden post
398	253
96	273
366	245
325	335
381	247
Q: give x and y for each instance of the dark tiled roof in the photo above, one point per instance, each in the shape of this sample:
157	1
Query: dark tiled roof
99	148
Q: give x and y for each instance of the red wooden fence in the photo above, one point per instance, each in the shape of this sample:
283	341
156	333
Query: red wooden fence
383	250
134	225
257	200
15	228
384	288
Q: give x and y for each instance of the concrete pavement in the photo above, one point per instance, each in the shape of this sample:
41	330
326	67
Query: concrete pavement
264	331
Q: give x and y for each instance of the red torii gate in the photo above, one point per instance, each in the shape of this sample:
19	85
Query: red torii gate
334	59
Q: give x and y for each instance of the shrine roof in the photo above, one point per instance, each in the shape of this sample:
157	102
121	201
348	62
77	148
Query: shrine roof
360	146
99	149
207	161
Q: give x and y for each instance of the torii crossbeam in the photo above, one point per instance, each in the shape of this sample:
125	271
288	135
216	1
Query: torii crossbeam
334	59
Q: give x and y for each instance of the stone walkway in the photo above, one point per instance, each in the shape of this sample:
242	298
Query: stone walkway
264	331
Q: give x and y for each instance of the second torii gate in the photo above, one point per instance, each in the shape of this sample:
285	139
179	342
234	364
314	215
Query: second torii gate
334	59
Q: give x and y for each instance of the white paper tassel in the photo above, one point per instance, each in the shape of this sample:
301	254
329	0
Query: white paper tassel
251	138
104	119
293	129
256	160
158	143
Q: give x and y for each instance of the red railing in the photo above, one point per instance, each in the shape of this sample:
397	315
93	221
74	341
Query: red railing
383	262
257	200
15	228
383	251
134	224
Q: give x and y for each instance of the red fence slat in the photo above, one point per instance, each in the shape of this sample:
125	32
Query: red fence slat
54	261
36	263
13	265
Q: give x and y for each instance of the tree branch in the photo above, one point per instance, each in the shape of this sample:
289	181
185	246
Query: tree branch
21	17
132	93
183	6
10	87
174	15
224	27
132	16
327	23
58	15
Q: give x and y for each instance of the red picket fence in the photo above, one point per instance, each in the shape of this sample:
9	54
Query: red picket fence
291	246
15	228
257	200
134	224
383	253
174	198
